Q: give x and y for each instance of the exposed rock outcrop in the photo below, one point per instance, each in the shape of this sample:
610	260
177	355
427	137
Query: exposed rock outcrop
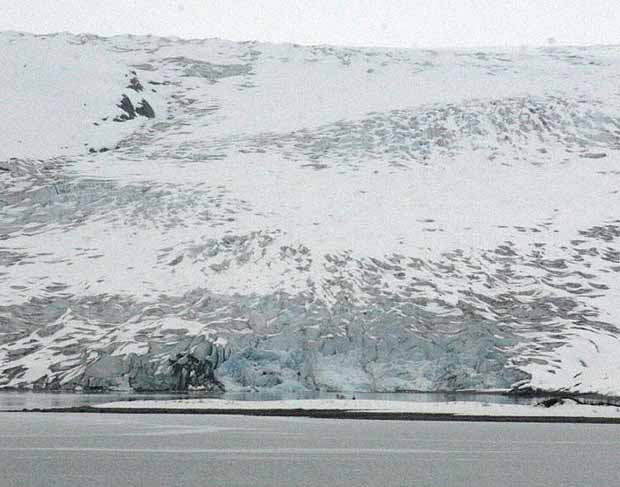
145	109
127	106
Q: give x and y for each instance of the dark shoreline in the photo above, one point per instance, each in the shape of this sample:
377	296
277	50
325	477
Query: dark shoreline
330	414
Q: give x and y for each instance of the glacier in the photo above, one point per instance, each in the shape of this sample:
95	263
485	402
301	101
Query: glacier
207	214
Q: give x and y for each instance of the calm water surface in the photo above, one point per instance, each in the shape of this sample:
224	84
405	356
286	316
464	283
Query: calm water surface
10	400
43	449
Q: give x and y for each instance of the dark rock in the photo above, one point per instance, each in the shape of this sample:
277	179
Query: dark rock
134	84
128	108
547	403
145	109
557	401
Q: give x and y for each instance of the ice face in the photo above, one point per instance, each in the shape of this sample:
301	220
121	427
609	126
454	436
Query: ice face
293	218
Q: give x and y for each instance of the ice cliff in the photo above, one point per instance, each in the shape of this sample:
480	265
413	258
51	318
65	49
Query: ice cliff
207	214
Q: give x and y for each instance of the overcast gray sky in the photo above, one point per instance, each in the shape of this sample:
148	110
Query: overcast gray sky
424	23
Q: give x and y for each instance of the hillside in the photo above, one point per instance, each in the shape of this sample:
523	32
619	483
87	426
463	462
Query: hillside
214	214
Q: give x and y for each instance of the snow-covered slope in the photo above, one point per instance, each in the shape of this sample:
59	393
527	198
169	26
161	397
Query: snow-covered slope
307	217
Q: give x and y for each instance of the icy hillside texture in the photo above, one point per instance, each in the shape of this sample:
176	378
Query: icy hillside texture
209	214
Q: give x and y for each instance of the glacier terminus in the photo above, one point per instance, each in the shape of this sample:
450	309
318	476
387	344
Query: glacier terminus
204	214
